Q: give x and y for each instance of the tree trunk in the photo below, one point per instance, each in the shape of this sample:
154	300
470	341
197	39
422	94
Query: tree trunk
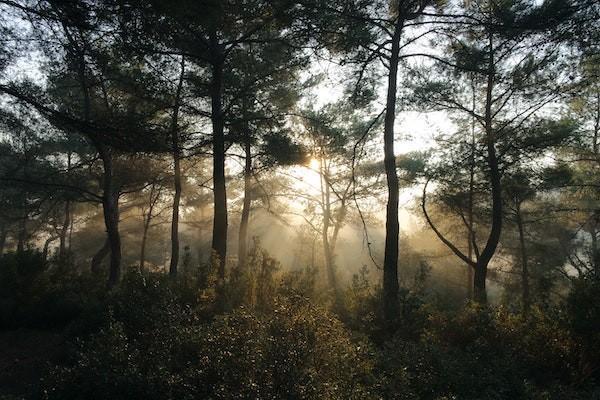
595	249
471	233
62	249
392	226
243	236
327	250
46	248
494	171
175	217
100	256
62	252
147	220
595	143
219	239
22	235
524	268
176	175
110	205
70	233
479	291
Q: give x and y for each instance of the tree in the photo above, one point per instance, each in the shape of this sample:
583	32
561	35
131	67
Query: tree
87	95
209	34
513	89
371	36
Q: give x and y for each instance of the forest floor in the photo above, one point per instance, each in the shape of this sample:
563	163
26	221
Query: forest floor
24	356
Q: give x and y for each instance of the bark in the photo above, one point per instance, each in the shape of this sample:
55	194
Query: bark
219	238
471	238
62	249
46	247
110	193
70	234
147	221
110	205
177	175
22	235
480	265
479	290
100	256
327	248
143	247
595	250
494	172
595	144
392	227
524	267
243	235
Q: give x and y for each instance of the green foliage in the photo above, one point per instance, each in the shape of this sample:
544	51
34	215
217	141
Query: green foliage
282	150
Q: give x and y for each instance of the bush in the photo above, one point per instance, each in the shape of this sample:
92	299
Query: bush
31	295
297	351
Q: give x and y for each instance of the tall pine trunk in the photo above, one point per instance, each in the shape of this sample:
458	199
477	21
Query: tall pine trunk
327	248
22	235
524	266
219	234
46	248
392	226
479	284
244	221
110	206
176	175
147	221
100	256
470	219
62	249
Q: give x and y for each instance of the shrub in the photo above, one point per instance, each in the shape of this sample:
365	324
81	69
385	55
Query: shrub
297	351
33	295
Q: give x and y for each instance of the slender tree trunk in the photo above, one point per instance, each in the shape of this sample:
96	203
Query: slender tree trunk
46	247
62	252
147	220
100	256
110	205
471	237
595	144
175	216
243	235
219	239
596	151
479	284
327	250
22	235
595	249
339	221
62	249
70	233
496	186
392	226
524	267
176	174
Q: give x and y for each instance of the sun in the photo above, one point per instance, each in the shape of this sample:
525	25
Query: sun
314	164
